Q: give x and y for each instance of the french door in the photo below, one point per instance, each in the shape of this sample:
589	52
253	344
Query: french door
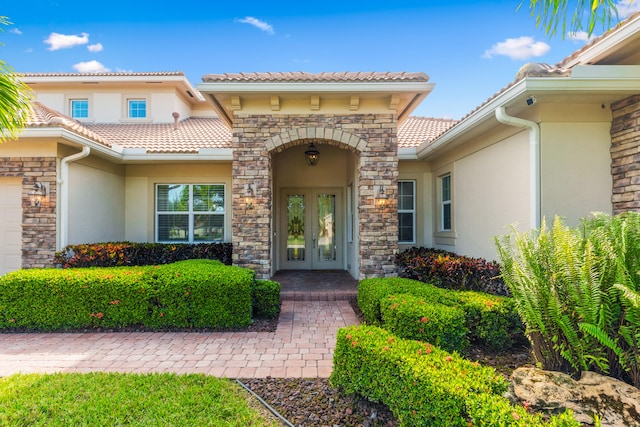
311	229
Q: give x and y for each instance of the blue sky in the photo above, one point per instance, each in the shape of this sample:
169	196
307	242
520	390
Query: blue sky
469	49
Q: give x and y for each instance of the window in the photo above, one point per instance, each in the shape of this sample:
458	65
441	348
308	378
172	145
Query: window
190	213
445	188
79	108
406	212
137	108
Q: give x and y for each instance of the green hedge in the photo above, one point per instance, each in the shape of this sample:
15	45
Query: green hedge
266	299
493	321
423	385
411	317
194	293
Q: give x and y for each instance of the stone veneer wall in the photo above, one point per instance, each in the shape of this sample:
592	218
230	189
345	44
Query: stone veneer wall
372	136
38	223
625	154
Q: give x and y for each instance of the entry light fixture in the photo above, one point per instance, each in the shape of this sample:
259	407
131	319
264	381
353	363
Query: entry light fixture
312	155
39	196
249	196
381	198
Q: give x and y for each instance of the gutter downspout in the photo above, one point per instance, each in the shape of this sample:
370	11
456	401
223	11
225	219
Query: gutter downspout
534	162
64	192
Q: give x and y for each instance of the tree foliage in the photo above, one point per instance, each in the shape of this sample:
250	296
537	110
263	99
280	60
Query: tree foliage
15	98
573	16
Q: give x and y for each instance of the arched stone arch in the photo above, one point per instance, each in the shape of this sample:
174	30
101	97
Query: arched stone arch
306	134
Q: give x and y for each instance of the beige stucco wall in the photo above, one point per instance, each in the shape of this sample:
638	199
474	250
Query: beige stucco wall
139	194
490	191
575	162
96	202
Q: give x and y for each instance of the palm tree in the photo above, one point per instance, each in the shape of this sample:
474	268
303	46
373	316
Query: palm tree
550	14
15	98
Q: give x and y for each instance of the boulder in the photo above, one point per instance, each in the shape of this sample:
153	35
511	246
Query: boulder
615	402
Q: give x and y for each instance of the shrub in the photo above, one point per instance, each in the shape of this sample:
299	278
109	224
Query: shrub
113	254
423	385
411	317
449	270
266	299
574	290
493	321
196	293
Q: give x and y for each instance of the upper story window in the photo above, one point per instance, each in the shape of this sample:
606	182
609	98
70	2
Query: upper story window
79	108
406	211
137	108
445	202
189	213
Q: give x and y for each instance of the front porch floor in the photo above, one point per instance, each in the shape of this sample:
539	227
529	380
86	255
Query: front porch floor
316	285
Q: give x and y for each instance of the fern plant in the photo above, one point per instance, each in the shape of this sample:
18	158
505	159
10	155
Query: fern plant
576	289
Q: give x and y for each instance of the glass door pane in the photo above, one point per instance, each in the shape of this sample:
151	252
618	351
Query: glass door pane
295	228
326	227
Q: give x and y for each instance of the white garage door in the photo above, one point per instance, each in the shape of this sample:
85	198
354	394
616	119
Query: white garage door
10	224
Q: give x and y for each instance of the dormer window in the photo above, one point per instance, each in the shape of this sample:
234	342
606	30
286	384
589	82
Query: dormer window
137	108
79	108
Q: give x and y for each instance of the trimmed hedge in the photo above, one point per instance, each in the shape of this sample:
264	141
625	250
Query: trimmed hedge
411	317
114	254
493	321
423	385
188	294
451	271
266	299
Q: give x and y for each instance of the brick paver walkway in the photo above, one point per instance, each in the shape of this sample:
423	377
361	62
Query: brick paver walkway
301	347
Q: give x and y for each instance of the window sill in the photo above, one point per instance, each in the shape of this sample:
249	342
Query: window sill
445	237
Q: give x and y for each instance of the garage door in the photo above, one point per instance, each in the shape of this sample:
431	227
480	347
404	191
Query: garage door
10	224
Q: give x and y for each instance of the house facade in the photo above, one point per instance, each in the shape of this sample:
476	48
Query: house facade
319	171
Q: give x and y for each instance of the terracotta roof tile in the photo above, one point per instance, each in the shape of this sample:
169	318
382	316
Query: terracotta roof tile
416	130
123	74
42	116
191	135
297	77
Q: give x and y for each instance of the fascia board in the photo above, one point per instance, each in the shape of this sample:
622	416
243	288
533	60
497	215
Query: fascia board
604	46
173	157
484	113
407	154
71	137
306	87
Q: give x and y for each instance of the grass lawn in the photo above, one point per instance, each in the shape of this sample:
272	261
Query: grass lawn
117	399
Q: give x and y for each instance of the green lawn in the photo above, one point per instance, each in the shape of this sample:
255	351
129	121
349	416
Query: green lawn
117	399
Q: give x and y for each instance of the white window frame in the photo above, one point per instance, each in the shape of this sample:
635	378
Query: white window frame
71	109
137	99
446	202
190	213
412	211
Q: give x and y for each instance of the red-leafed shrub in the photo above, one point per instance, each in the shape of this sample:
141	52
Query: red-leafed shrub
449	270
117	254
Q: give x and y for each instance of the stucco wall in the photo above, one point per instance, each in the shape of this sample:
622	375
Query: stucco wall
575	170
96	202
490	192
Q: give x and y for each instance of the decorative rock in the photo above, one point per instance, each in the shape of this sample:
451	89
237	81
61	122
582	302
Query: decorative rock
615	402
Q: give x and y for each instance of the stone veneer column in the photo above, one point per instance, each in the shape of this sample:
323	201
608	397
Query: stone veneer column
625	154
378	165
38	223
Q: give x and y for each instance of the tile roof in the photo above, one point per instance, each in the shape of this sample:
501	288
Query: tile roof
42	116
416	130
122	74
191	135
298	77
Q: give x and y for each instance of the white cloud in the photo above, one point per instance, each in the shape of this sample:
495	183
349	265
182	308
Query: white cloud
258	24
15	31
581	36
63	41
91	67
627	7
95	47
520	48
